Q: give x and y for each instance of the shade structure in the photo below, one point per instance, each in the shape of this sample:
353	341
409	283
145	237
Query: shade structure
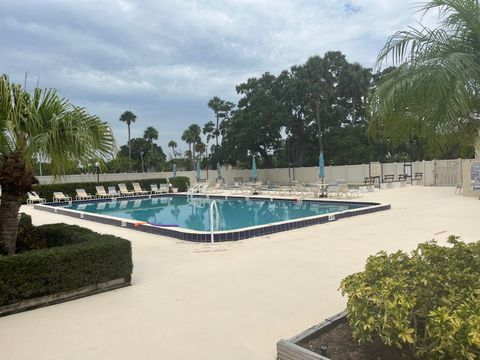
219	171
321	166
254	169
198	171
174	171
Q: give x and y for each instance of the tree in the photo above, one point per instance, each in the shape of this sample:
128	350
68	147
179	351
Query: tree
150	134
188	138
128	117
221	108
173	145
433	93
208	131
195	132
41	123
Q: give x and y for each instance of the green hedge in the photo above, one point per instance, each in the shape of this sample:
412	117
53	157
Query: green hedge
46	191
85	258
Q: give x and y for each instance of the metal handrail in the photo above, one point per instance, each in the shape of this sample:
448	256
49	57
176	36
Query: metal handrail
214	208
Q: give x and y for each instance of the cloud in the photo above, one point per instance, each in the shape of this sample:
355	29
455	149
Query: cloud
164	59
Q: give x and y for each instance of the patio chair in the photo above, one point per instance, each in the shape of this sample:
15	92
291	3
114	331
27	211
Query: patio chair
83	195
59	196
163	188
101	193
154	188
138	189
33	198
124	191
112	192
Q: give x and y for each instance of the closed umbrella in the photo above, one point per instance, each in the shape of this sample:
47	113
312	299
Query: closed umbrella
254	169
198	171
219	171
174	170
321	170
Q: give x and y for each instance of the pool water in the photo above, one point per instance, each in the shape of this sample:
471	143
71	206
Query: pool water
194	214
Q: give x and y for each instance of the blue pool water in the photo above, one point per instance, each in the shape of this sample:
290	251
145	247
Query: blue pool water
235	213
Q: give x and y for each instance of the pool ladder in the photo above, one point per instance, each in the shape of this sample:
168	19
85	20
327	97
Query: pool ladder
214	213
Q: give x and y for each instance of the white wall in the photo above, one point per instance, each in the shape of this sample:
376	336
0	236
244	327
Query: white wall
353	174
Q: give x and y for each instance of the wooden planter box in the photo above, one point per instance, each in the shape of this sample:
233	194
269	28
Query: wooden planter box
289	350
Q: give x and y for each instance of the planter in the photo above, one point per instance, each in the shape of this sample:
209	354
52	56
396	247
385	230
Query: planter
290	350
57	298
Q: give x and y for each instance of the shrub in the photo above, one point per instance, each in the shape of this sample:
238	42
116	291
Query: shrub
46	190
96	259
28	237
426	303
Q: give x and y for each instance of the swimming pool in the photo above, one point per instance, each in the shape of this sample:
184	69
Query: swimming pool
188	218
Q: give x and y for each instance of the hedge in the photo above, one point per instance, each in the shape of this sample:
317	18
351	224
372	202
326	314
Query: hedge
46	191
426	303
84	258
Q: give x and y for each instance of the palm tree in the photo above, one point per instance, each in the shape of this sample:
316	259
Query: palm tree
187	137
41	124
150	134
195	132
173	145
220	108
433	92
128	117
208	131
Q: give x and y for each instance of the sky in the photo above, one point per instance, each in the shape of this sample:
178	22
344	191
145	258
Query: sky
164	59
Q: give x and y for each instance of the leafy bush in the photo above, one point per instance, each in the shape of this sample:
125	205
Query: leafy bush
427	303
86	258
28	237
46	190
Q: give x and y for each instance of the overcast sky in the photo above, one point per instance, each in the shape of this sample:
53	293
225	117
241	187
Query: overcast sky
164	60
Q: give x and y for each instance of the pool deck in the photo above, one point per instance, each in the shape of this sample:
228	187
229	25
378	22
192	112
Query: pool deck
231	300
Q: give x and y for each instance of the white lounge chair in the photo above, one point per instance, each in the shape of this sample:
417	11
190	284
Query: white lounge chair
112	192
124	191
163	188
155	189
83	195
33	198
59	196
138	189
101	193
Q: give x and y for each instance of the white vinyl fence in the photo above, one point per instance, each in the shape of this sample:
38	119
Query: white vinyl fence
435	173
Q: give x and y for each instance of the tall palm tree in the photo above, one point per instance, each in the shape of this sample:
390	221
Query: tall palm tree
41	123
208	131
434	90
150	134
188	138
173	145
195	132
129	118
220	108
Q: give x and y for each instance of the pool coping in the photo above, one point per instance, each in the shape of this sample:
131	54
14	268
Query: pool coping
219	236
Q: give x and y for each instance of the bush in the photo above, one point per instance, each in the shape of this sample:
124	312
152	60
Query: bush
88	259
46	191
28	236
427	303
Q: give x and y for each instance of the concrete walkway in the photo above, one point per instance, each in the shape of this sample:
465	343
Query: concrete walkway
230	300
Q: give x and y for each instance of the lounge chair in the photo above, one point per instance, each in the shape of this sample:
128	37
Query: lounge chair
60	197
112	192
33	198
163	188
124	191
83	195
138	189
155	189
101	193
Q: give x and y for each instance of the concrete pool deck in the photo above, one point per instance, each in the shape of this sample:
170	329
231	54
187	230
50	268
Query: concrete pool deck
230	300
